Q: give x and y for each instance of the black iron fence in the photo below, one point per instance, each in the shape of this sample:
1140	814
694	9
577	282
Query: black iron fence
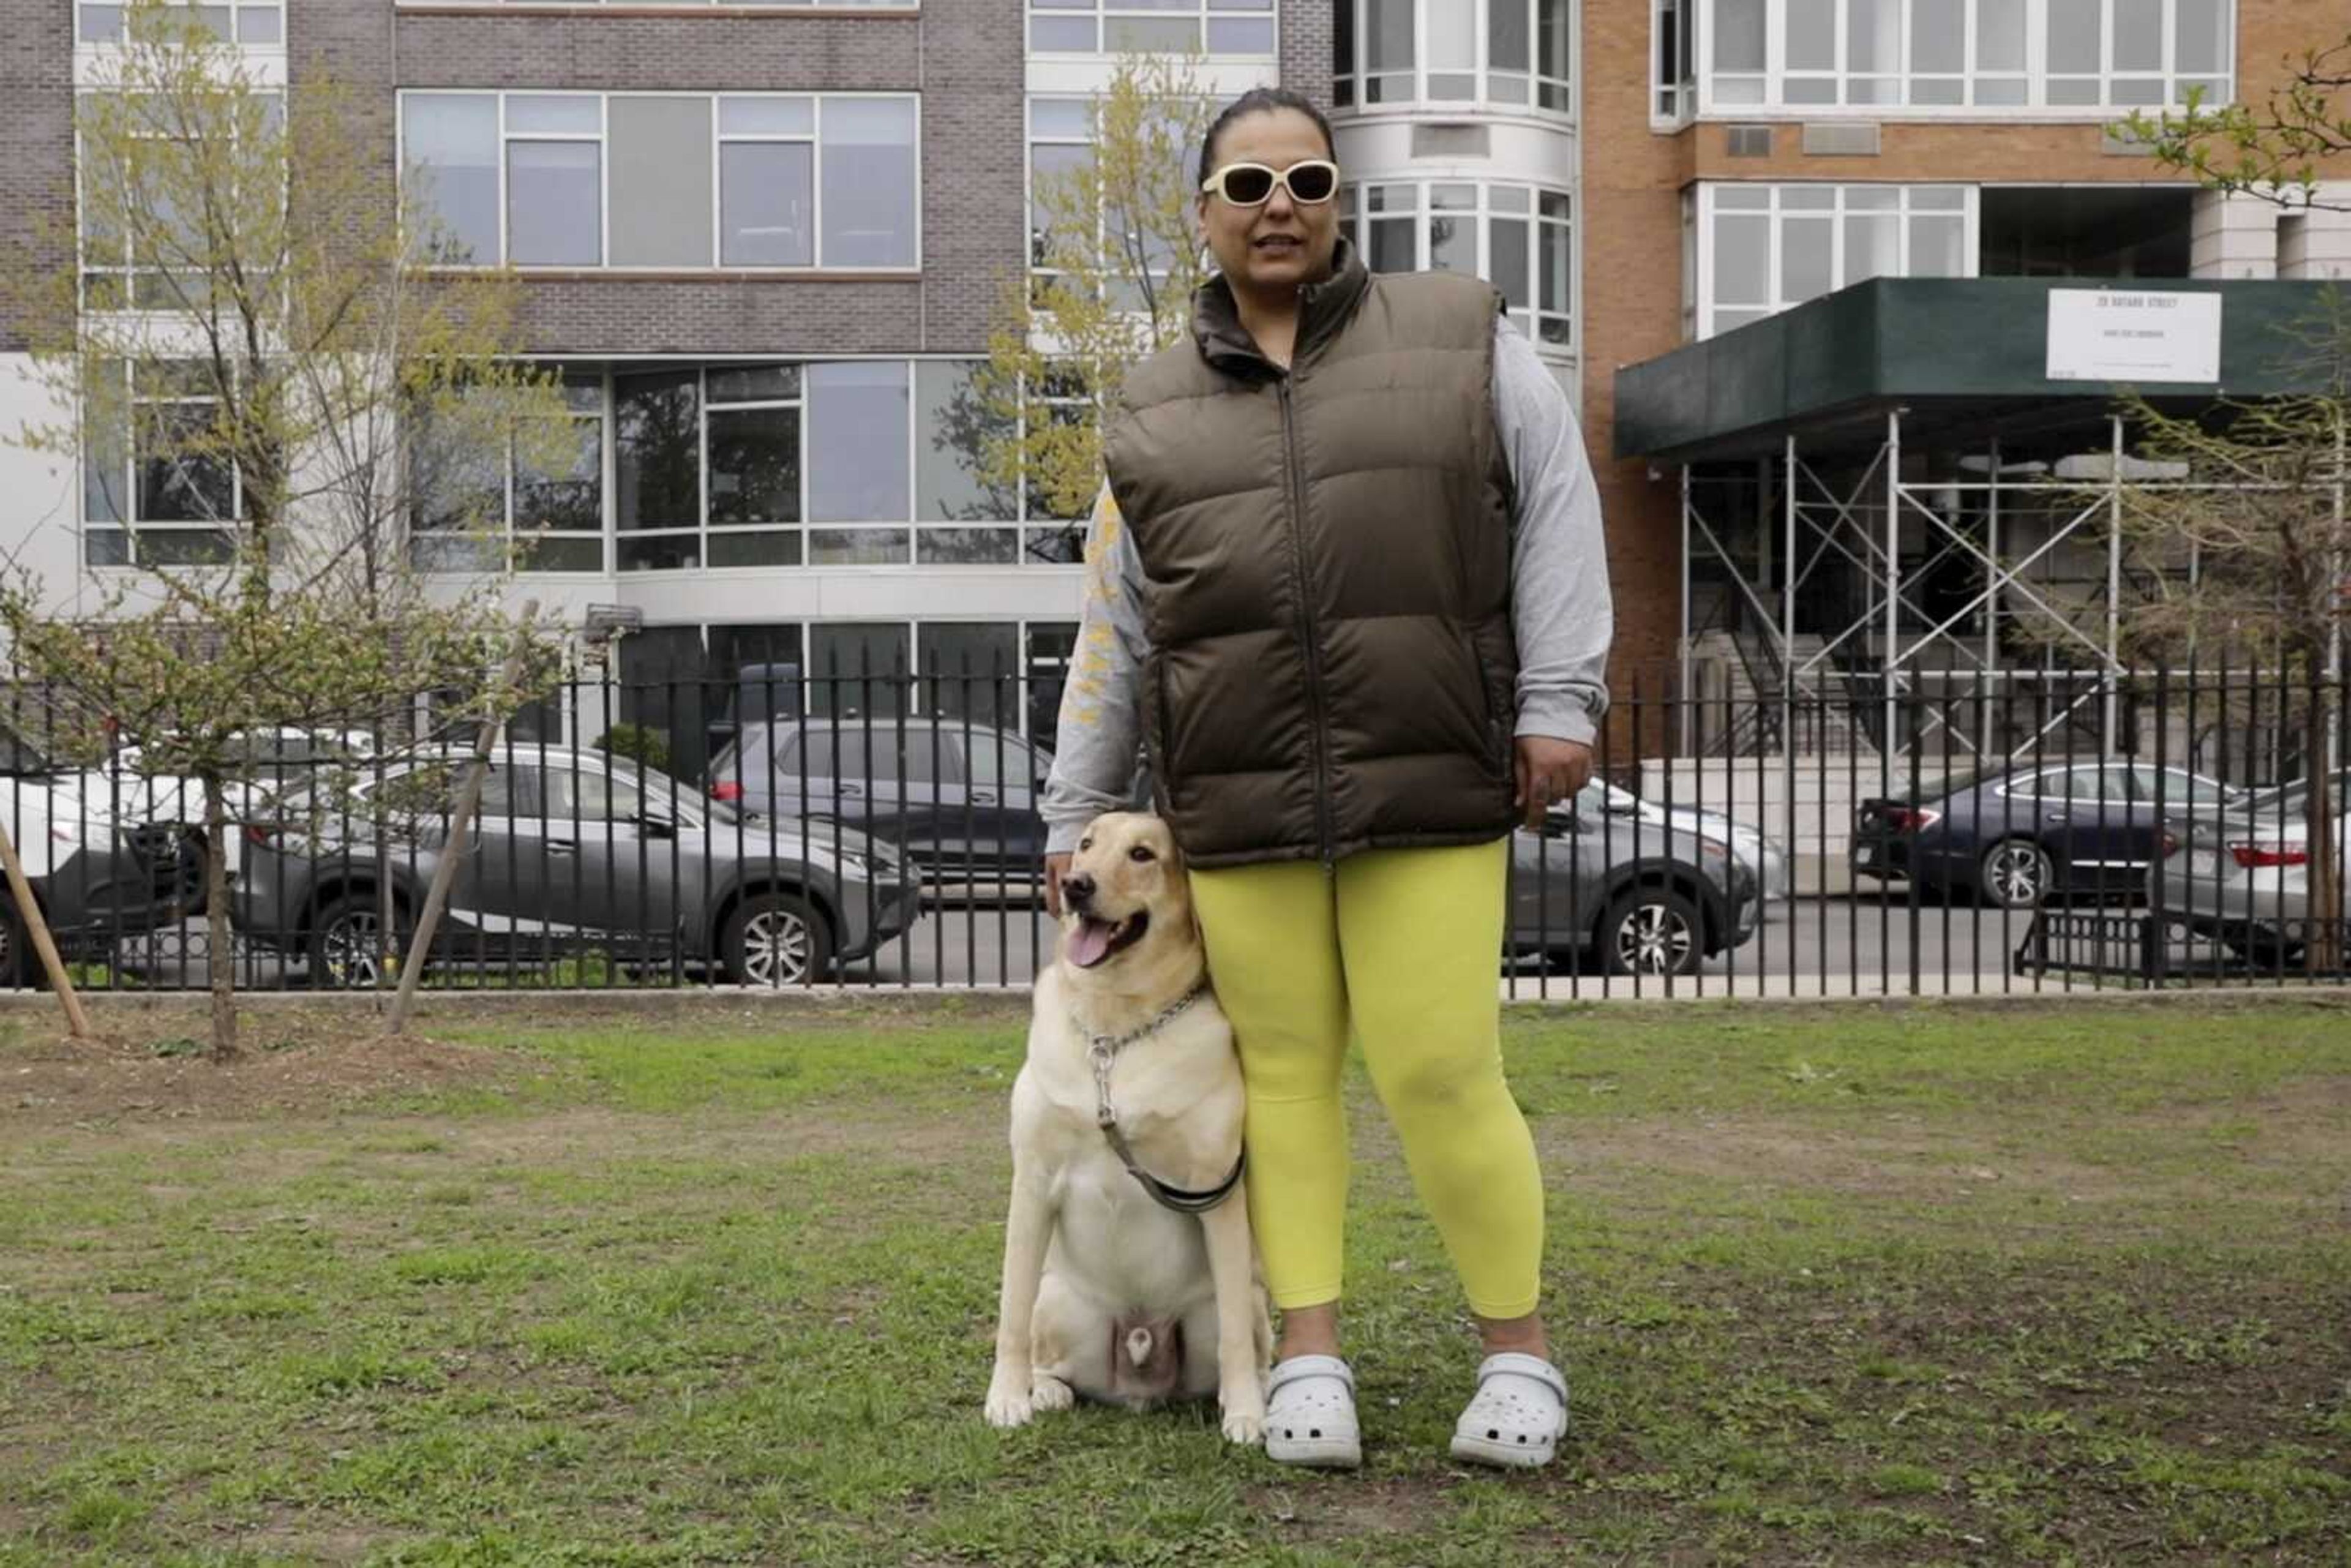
2035	831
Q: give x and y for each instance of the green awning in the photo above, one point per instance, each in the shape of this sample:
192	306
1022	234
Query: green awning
1967	358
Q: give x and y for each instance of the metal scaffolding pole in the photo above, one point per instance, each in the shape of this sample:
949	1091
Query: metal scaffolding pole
2107	735
1683	646
1893	648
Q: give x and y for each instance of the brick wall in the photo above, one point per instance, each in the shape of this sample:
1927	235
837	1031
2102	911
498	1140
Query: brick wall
1306	46
36	143
963	56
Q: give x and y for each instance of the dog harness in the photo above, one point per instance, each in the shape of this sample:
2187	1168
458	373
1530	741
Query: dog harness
1103	1050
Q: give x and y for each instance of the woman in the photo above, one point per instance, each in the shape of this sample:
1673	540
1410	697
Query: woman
1347	584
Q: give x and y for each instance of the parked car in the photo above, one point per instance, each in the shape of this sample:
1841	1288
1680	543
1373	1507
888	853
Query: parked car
272	762
2023	835
94	879
2246	877
961	799
1764	855
1607	877
575	847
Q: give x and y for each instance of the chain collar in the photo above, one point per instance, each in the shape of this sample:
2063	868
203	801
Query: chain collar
1102	1051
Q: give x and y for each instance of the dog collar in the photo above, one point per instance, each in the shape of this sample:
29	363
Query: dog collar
1103	1050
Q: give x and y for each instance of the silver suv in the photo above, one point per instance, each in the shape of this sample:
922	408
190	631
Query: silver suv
568	848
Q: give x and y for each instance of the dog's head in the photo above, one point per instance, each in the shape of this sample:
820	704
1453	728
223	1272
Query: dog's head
1125	892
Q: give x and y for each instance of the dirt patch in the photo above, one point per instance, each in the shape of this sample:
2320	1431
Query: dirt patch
150	1064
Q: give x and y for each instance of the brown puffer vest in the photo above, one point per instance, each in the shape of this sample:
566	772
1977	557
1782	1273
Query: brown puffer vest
1328	561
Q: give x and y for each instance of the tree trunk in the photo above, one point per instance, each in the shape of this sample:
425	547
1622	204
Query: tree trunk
2323	954
219	944
36	928
461	821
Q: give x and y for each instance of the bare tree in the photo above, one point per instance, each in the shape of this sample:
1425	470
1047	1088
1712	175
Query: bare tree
2277	151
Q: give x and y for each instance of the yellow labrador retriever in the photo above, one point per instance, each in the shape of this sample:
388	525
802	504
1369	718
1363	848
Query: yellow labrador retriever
1129	1274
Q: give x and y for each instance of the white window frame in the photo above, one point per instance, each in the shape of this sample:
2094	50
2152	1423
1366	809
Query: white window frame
1777	212
500	532
1673	96
235	38
685	7
1356	218
2035	74
1348	85
1104	12
506	136
131	525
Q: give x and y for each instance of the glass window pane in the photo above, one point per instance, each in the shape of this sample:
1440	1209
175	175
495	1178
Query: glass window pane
1389	24
451	141
869	182
1937	247
1509	269
1807	248
1240	35
971	671
1999	35
767	116
967	547
1554	34
1453	243
261	24
1742	259
579	115
951	445
1150	35
554	203
1811	35
661	182
2076	31
1059	117
858	443
1062	35
2203	36
858	546
657	432
1873	246
767	204
1506	41
1938	36
1553	276
176	485
2003	91
1808	198
101	24
747	547
1873	40
1342	44
755	466
1392	246
1739	34
569	494
2138	35
1452	33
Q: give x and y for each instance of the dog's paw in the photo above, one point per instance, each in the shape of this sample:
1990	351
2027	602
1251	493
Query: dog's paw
1009	1403
1049	1393
1244	1413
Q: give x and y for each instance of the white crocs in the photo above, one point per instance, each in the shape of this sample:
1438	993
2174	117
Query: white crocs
1518	1414
1310	1415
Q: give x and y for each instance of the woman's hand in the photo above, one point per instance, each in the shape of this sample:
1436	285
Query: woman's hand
1056	868
1550	771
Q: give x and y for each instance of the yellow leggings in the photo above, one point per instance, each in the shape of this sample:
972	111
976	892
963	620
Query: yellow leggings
1405	946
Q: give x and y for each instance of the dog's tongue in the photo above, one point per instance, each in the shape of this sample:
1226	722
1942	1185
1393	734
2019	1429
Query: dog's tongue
1090	943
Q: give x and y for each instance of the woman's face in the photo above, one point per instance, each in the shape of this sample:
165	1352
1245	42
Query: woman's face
1281	243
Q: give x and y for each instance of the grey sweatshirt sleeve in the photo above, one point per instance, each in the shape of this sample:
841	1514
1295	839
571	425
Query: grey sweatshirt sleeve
1099	737
1560	603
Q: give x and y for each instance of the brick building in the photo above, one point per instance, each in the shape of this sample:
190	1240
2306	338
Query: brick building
764	241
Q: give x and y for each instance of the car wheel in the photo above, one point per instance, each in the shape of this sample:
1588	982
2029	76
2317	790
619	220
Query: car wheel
2016	873
1652	931
2262	949
346	943
776	939
17	966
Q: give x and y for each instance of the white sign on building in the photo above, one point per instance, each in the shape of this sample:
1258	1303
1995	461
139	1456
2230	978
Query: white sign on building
2133	335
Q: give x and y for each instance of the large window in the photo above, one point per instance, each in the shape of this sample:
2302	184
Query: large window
1766	248
1955	55
1150	26
1672	60
536	504
1517	237
254	22
156	489
1507	53
667	181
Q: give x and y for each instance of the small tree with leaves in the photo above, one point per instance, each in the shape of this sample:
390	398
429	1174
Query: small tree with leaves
2276	151
1114	256
2261	513
245	343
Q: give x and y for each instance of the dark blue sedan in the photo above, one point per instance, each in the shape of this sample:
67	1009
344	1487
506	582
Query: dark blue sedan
2052	831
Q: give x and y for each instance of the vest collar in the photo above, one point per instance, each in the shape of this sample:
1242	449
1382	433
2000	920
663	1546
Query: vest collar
1323	309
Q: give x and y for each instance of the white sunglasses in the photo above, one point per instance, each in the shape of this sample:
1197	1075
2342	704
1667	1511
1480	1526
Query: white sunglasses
1310	184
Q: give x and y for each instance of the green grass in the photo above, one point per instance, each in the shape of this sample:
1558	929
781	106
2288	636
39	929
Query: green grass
1930	1285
